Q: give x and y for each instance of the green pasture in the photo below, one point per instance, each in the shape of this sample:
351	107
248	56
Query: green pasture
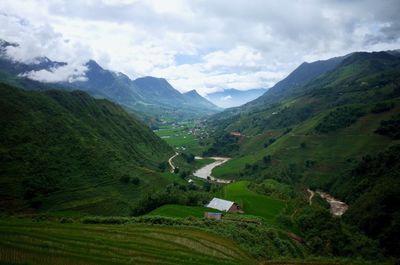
253	203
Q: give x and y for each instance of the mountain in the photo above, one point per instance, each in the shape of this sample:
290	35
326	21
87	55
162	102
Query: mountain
68	151
334	130
232	97
144	96
192	97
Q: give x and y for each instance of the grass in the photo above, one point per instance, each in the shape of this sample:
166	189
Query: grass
26	242
253	203
180	211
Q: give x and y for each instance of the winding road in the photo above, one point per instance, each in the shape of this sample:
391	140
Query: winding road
311	196
170	162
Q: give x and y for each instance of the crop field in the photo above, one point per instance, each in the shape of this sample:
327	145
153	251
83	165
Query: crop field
171	210
179	137
253	203
45	243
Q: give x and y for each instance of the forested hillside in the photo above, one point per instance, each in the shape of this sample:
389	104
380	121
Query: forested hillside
67	150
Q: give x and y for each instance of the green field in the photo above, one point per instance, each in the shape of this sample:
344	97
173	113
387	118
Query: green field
253	203
179	137
28	242
171	210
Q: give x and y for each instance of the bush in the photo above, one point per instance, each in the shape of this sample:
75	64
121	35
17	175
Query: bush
390	128
135	181
339	118
382	107
124	179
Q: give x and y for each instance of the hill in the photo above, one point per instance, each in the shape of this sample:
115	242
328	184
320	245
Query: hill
68	151
233	97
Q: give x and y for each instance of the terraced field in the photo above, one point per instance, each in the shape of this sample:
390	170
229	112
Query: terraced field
28	242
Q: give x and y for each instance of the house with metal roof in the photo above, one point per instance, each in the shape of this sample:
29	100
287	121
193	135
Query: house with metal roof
224	205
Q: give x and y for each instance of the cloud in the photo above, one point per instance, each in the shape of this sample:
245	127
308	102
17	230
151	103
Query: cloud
68	73
205	45
226	98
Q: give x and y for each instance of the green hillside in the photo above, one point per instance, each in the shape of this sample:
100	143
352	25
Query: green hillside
68	151
337	132
319	128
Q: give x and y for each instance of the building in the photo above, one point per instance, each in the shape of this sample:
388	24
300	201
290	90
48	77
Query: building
215	216
224	205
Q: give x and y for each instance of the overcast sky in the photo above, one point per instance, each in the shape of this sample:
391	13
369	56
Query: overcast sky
205	45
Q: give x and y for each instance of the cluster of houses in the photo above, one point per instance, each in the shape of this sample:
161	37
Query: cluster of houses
223	206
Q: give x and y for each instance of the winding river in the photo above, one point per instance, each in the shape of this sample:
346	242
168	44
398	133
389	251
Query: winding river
205	172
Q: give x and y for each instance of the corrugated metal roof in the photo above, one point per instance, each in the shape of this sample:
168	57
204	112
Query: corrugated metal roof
220	204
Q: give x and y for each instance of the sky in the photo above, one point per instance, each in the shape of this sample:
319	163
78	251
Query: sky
207	45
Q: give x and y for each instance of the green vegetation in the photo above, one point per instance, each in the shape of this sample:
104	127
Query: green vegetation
338	119
179	135
69	151
390	128
372	188
190	194
42	243
180	211
253	203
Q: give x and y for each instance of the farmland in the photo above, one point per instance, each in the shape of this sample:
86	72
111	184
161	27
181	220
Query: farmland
180	136
28	242
180	211
253	203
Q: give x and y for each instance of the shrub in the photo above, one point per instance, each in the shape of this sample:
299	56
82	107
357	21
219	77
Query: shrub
124	179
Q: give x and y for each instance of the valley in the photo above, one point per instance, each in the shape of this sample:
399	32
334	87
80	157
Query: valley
103	167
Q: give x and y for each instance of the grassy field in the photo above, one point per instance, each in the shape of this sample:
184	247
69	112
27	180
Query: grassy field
253	203
179	137
171	210
28	242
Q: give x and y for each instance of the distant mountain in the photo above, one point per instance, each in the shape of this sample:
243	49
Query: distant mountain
66	150
233	97
145	96
192	97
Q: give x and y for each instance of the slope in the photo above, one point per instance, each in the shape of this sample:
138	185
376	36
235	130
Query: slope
322	126
67	150
43	243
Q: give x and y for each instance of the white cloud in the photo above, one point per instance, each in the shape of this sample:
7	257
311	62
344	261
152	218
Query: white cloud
69	73
233	43
226	98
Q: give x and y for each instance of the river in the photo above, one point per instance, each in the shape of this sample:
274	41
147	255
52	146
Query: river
205	172
338	208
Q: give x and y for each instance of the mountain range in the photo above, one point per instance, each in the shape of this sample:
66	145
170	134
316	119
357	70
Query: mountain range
145	96
233	97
